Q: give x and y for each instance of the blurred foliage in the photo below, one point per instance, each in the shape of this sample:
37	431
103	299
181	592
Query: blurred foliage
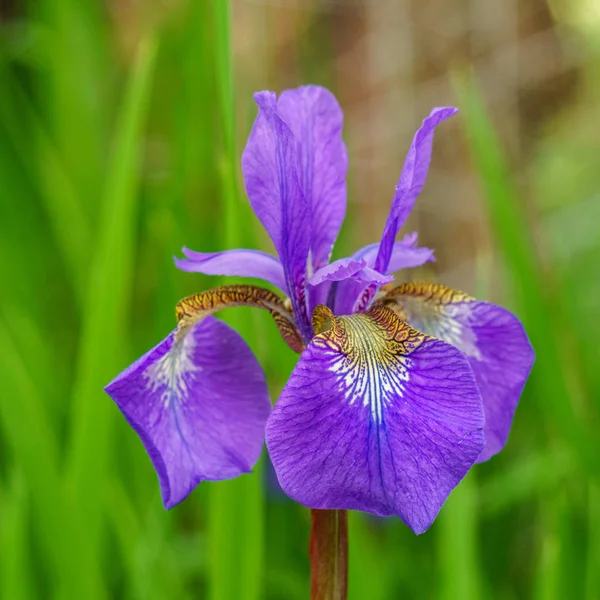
121	127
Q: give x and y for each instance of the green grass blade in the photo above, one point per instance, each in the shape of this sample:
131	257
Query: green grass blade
555	386
592	579
101	350
73	573
537	472
76	89
236	507
458	543
366	556
14	537
47	172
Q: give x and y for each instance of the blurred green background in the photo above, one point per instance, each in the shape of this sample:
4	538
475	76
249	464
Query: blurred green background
121	128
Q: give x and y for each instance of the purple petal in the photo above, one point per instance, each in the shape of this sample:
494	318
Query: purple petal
199	404
376	417
492	339
348	274
405	254
347	295
238	263
346	268
315	118
410	184
269	163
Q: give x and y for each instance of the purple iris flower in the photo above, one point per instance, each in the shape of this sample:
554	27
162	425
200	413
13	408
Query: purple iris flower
397	392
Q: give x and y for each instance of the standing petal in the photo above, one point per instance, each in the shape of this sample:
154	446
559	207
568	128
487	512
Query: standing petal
315	118
492	339
376	417
405	254
199	403
239	263
344	274
349	293
410	184
269	163
346	268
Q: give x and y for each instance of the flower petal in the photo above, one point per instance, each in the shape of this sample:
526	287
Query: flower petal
492	339
346	268
348	293
410	184
345	274
269	163
405	254
199	404
377	417
315	118
238	263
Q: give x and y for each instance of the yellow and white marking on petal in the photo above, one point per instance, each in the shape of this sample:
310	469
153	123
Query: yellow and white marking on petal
369	356
171	369
438	311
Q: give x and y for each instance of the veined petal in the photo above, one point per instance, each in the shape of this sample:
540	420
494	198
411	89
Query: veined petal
343	275
346	268
405	254
199	403
193	309
269	163
410	184
315	118
238	263
492	339
377	417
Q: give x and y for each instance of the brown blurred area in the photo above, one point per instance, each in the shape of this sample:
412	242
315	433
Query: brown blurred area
389	62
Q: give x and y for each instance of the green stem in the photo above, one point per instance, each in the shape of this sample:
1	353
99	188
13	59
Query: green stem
329	555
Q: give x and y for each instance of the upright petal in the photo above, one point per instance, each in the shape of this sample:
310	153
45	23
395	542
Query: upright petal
405	254
347	268
269	163
377	417
238	263
199	403
410	184
343	275
492	339
315	118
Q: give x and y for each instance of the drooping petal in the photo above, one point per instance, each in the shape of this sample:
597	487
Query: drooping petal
410	184
196	307
199	404
238	263
269	163
492	339
377	417
315	118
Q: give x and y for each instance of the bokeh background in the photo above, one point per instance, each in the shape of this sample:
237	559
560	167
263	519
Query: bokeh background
121	127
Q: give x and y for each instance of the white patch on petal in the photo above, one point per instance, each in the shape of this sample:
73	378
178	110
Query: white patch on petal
368	372
169	372
448	322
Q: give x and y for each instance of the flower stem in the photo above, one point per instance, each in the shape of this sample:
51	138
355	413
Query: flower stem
329	555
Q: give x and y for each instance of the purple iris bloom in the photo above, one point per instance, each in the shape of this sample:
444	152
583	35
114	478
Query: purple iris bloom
397	392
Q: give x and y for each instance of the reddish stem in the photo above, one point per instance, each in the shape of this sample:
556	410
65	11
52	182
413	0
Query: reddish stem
329	555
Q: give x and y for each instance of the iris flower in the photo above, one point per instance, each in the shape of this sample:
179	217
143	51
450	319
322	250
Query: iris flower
397	393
